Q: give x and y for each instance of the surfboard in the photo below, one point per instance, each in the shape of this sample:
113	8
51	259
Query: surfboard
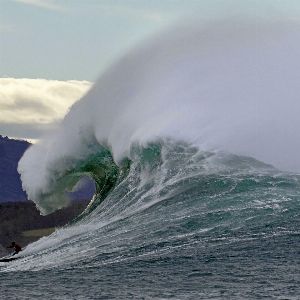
8	259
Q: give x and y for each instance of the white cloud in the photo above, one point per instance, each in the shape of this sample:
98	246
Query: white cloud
46	4
30	106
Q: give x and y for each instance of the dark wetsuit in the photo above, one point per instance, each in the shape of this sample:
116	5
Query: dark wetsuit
16	247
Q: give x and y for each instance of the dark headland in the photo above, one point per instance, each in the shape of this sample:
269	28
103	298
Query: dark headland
19	218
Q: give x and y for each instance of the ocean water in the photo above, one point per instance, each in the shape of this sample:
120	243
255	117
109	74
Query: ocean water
178	223
194	154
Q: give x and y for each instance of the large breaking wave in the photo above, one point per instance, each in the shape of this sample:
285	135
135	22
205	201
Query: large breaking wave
231	85
173	202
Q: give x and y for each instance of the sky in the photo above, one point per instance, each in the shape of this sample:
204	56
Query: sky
51	51
77	39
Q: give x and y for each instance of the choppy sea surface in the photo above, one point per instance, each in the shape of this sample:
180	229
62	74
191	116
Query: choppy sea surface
175	223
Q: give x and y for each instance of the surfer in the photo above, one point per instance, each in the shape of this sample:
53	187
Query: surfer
16	247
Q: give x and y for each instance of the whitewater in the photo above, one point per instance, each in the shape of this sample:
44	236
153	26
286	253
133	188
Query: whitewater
192	140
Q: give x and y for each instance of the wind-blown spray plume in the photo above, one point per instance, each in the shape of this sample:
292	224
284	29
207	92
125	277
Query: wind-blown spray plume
231	86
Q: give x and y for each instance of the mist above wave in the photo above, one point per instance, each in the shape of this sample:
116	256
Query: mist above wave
229	85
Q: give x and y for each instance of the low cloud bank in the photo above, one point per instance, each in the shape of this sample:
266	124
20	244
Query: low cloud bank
30	107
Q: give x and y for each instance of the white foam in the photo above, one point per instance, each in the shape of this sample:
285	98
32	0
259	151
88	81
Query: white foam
229	84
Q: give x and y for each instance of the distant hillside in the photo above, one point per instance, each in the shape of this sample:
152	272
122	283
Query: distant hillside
10	184
19	218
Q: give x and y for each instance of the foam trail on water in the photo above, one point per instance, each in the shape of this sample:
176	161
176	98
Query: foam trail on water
231	85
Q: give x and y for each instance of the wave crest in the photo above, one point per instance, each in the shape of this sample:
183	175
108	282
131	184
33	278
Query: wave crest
227	85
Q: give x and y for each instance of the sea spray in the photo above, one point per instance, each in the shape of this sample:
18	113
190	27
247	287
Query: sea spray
230	85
